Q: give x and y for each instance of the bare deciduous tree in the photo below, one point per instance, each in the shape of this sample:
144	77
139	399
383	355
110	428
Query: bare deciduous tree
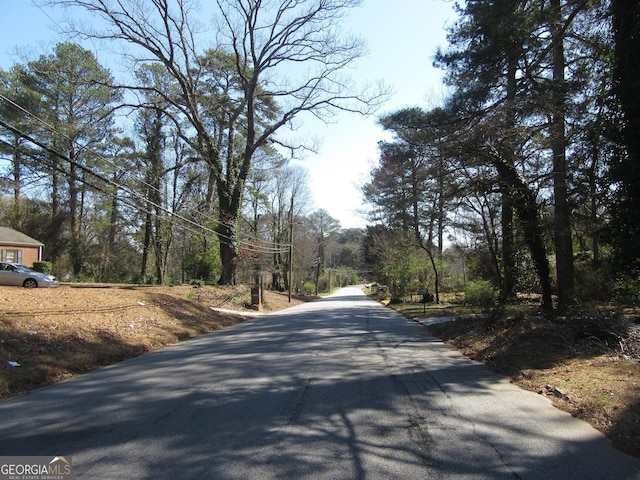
290	58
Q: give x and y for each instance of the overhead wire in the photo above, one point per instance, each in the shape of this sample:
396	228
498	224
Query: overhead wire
33	3
278	248
125	201
83	148
246	245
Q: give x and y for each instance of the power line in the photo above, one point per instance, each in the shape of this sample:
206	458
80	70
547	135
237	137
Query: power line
33	3
125	201
137	206
52	129
246	245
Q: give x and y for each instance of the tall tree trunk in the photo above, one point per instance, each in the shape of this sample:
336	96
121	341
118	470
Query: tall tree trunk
56	226
17	169
158	224
230	190
214	175
493	245
594	195
508	250
146	244
441	206
228	253
229	247
436	273
111	236
16	166
428	249
74	220
562	217
154	172
626	228
158	247
524	203
435	218
508	241
229	202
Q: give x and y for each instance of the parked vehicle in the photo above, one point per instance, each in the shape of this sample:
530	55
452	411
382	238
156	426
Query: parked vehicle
14	274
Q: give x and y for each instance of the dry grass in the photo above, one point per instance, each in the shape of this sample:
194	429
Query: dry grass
54	334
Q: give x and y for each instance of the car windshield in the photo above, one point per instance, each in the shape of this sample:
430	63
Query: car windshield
22	268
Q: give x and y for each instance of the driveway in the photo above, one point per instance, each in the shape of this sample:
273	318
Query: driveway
340	388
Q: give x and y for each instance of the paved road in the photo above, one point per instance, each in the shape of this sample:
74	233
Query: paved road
341	388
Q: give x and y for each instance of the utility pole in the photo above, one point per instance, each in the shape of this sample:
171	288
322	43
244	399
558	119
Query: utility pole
291	248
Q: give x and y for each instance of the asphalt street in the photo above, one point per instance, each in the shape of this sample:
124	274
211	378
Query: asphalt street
340	388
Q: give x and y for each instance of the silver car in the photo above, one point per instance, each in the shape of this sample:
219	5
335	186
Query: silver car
14	274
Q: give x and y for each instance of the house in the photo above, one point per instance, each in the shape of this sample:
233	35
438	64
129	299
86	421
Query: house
16	247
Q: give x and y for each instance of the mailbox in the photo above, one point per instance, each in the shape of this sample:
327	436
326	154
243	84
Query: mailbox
256	300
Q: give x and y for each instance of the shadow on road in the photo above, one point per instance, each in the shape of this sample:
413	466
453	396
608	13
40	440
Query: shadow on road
338	388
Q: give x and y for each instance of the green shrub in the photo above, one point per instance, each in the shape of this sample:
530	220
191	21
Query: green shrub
43	267
309	287
480	293
626	291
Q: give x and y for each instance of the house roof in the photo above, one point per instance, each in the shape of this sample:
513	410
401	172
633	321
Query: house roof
9	236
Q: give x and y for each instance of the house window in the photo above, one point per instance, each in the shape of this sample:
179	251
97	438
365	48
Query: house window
11	256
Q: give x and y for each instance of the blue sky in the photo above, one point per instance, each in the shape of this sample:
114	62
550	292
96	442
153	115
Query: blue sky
402	37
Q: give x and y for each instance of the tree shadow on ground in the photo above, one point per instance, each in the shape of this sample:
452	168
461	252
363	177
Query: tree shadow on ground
588	367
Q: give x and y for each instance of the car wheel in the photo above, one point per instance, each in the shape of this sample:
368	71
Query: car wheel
30	283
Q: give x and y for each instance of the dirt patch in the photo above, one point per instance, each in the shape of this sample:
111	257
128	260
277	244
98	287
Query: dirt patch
48	335
587	367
